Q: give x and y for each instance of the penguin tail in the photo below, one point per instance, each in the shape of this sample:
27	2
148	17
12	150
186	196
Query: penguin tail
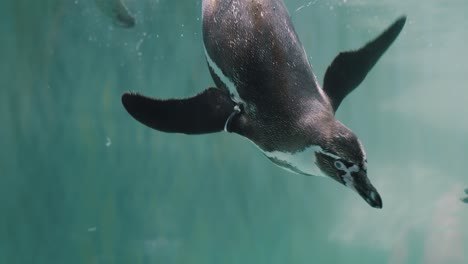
206	112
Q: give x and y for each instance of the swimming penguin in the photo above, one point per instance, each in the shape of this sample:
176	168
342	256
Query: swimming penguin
267	92
117	11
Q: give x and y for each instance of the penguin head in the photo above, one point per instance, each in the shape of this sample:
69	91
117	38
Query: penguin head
343	159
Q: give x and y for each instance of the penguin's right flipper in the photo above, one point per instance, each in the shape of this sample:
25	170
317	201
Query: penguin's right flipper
206	112
350	68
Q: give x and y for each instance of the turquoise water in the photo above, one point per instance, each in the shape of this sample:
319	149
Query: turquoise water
82	182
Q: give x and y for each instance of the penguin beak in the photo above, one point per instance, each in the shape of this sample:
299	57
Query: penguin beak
367	191
372	197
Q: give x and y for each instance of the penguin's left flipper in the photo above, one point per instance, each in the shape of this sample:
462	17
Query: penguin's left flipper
350	68
206	112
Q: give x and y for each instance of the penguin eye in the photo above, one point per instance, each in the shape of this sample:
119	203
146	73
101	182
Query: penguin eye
339	165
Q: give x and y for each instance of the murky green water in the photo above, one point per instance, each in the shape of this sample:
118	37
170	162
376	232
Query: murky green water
82	182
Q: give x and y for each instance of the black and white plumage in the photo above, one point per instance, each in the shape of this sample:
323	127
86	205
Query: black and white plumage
267	92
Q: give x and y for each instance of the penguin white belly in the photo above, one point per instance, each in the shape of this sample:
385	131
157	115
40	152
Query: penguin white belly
302	162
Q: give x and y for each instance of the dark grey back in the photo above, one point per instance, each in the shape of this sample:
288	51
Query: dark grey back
265	57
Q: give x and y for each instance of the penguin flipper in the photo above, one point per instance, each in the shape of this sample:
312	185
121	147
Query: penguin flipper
206	112
350	68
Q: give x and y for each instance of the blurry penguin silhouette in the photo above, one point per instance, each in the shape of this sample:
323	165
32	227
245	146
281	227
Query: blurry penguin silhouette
117	11
465	200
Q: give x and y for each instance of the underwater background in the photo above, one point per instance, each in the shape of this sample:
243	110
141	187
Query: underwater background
83	182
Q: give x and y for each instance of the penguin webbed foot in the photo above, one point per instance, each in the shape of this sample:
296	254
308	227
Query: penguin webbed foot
208	112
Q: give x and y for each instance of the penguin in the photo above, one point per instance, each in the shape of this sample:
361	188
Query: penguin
265	90
117	11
